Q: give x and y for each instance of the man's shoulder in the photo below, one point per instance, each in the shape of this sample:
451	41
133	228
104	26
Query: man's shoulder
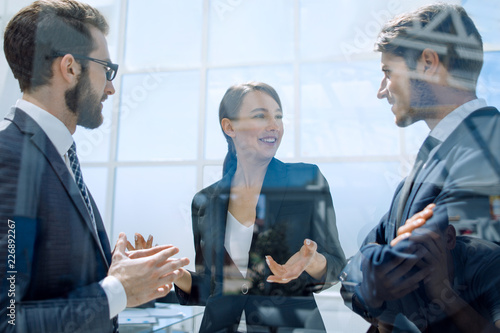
487	115
10	135
479	131
17	121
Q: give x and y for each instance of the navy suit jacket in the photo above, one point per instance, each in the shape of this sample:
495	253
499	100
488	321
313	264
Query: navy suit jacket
59	260
459	178
295	203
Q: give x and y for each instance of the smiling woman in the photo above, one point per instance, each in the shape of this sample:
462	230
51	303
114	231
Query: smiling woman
261	210
249	114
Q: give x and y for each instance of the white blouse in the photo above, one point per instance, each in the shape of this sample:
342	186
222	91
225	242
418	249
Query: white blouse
237	242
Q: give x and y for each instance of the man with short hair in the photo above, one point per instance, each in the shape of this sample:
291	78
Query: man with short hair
57	270
431	59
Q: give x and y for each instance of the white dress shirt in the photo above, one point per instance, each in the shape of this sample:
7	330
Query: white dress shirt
62	140
449	123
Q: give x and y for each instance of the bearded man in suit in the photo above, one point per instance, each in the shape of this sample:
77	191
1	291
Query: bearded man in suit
57	270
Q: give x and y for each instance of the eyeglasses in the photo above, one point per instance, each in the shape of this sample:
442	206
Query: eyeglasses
111	69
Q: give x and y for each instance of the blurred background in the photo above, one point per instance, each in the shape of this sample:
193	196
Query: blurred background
161	142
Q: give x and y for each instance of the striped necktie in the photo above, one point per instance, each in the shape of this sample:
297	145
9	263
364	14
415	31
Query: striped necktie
77	172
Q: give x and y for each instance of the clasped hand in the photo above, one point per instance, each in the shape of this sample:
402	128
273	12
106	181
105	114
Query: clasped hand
145	274
399	274
434	254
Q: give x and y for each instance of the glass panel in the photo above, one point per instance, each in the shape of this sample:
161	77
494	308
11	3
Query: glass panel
484	13
489	80
250	31
163	33
156	201
414	135
93	145
158	116
340	113
211	174
346	28
96	180
219	80
9	89
357	209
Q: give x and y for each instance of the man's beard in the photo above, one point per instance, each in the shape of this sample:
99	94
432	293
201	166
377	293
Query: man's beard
84	103
422	95
423	102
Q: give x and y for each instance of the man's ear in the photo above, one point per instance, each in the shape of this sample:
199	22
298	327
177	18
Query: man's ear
69	69
428	62
227	127
451	237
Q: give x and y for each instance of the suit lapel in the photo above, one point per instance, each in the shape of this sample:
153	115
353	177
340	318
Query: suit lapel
102	235
217	212
420	179
274	187
466	128
38	137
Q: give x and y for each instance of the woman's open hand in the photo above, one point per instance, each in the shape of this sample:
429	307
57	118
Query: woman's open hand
305	259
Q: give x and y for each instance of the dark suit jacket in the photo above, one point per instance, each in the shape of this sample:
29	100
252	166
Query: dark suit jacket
59	260
459	178
295	203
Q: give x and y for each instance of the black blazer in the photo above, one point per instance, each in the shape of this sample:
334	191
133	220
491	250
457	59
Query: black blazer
59	259
295	203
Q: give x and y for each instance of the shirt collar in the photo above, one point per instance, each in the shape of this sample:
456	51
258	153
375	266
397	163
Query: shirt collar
57	132
449	123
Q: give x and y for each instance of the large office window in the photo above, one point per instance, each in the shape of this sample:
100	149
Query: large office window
161	141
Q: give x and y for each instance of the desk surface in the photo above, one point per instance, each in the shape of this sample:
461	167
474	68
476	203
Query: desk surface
162	316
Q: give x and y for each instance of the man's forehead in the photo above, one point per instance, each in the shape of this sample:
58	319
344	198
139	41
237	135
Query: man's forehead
389	59
100	42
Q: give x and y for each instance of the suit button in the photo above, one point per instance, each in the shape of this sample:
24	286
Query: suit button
244	289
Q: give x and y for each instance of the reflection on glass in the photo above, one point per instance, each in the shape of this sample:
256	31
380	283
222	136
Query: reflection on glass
488	86
340	112
327	28
345	30
361	194
485	14
163	33
250	31
158	116
211	174
156	201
